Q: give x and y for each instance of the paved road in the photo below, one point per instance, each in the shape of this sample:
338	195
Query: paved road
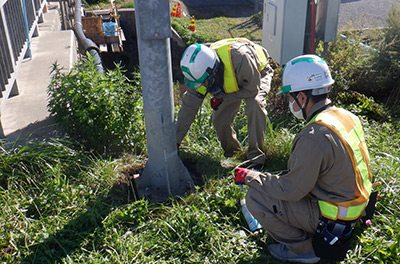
364	13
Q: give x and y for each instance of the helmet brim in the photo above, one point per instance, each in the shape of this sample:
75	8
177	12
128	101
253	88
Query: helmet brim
285	89
191	84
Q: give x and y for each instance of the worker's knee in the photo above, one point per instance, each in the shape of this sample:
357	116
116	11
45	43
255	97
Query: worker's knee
258	204
254	107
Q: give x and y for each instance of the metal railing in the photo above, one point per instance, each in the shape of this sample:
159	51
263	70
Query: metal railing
67	11
18	24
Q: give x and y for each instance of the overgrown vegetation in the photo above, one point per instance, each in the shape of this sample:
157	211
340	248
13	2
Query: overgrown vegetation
102	111
369	66
63	203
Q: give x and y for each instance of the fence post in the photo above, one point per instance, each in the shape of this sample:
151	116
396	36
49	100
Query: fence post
28	52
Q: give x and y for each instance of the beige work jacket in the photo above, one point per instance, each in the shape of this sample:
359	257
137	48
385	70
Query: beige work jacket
318	166
250	81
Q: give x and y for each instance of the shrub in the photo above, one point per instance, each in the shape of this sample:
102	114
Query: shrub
389	61
103	111
370	70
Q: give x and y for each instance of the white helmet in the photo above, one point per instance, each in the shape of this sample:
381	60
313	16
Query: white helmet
306	72
198	63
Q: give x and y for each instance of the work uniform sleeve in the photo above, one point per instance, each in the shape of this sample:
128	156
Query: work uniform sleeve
191	102
248	77
304	166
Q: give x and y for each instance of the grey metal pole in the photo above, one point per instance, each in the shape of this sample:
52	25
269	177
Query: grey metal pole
164	174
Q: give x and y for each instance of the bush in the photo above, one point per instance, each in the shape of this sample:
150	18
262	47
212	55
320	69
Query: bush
370	70
361	76
390	59
103	111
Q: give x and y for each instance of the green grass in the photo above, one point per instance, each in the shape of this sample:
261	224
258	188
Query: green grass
60	204
230	27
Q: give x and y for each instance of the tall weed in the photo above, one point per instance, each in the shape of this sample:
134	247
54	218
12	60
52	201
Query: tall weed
102	111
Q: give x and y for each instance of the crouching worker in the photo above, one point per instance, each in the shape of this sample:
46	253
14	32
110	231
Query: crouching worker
310	211
231	71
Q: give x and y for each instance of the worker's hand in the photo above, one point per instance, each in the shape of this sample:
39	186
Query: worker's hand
215	102
240	175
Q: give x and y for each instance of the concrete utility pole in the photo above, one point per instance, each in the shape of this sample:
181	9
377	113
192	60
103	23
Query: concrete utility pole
164	174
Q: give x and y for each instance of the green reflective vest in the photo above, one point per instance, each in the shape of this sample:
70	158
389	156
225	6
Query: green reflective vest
223	49
348	128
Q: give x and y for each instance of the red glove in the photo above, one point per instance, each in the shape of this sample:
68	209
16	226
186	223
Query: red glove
215	102
240	175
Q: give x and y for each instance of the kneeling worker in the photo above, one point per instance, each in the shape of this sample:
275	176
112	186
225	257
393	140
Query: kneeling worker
231	70
310	211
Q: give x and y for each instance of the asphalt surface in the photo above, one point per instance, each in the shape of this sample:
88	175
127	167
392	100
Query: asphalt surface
364	13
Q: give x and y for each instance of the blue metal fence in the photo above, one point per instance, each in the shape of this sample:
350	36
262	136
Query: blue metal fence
18	24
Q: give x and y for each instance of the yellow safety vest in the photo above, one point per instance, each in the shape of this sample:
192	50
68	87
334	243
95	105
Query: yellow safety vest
223	49
348	128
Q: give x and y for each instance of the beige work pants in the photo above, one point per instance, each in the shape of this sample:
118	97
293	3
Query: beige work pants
290	223
256	125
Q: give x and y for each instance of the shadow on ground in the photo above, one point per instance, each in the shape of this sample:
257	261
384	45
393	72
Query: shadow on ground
39	130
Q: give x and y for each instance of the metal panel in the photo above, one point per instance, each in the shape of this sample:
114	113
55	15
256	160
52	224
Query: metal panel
284	25
327	18
271	18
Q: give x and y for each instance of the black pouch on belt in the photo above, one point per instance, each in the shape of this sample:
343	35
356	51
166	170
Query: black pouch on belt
332	239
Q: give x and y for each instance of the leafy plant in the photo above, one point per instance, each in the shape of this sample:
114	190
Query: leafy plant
367	61
362	105
102	111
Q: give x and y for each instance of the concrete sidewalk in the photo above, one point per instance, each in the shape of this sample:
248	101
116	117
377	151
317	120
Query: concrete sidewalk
26	115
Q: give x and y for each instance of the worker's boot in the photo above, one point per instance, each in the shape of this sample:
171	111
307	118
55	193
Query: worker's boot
281	251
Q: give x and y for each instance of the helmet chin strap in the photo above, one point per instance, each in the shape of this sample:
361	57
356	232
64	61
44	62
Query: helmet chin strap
215	86
303	110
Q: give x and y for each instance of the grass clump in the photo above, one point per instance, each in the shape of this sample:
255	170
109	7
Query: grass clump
102	111
67	212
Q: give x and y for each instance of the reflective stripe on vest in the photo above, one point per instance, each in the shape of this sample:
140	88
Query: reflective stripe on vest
348	128
223	49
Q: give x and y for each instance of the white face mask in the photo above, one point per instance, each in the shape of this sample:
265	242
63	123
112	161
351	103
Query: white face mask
297	114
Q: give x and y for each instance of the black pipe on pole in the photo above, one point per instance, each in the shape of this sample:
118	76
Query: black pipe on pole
164	174
87	44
